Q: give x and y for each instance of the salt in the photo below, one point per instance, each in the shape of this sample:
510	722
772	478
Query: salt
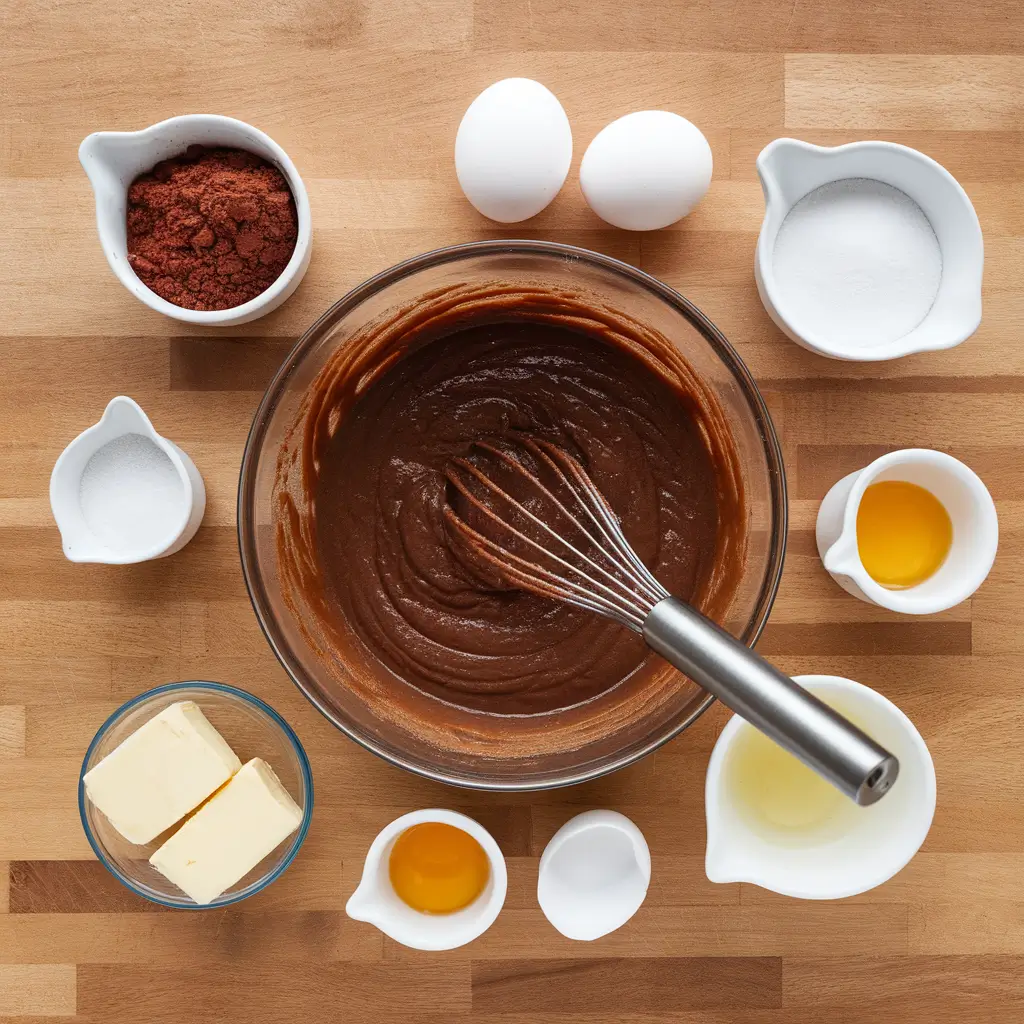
856	262
131	495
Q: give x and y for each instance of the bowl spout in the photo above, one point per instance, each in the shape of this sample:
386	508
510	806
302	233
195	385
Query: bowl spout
362	906
104	155
724	862
784	167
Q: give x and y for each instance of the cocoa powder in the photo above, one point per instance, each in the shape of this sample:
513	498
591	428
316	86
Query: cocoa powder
212	228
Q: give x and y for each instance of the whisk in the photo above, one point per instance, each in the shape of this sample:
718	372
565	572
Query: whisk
530	515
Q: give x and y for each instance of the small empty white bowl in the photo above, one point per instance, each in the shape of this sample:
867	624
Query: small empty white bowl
790	169
113	160
594	875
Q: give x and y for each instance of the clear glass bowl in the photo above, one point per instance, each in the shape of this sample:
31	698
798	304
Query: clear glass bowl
253	729
329	683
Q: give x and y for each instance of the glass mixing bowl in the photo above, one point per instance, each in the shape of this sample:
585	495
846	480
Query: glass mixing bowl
329	683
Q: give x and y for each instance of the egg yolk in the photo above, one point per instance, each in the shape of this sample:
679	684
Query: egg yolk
437	869
903	533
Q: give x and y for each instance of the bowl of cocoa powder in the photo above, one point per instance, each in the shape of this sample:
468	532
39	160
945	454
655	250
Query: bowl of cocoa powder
203	218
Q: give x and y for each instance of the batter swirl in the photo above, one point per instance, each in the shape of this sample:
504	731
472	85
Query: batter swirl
367	544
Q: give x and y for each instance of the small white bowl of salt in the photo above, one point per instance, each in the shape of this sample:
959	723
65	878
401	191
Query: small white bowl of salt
121	493
867	251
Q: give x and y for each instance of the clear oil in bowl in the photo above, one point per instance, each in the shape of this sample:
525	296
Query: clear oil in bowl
780	796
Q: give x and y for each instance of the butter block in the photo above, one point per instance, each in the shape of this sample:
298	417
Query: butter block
230	834
161	772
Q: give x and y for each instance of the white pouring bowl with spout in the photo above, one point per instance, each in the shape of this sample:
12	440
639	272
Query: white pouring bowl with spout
113	160
971	511
857	849
376	902
121	417
790	169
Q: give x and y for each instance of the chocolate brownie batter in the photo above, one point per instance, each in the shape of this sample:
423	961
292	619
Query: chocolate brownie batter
361	531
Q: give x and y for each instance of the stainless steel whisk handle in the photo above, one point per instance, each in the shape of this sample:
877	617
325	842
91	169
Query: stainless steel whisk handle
772	702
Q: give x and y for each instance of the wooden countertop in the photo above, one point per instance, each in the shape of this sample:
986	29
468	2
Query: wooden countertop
365	97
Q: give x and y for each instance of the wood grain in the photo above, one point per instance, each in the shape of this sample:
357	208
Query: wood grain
38	989
365	95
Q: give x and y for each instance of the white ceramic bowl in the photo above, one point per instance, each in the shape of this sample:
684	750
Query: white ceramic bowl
377	903
964	496
865	847
122	416
789	169
113	160
593	875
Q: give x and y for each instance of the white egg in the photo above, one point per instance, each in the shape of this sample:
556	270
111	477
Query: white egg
646	170
513	149
593	875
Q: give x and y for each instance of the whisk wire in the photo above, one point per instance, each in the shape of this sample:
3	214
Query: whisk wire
604	519
517	466
546	583
616	548
619	601
633	591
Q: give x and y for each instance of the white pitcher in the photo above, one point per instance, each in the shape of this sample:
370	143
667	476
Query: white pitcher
122	416
863	848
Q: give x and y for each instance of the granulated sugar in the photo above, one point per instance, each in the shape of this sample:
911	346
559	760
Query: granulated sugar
131	495
856	262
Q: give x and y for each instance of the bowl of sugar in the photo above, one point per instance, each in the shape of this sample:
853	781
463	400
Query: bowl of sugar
121	493
867	251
